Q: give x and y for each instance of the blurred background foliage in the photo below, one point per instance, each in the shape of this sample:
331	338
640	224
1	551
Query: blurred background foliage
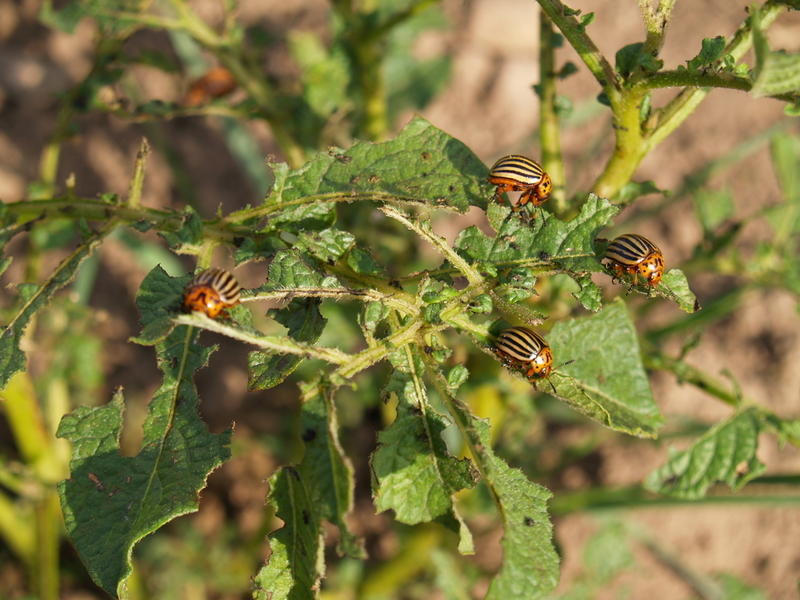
325	75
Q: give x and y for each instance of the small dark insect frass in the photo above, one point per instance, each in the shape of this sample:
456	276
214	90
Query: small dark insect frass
211	292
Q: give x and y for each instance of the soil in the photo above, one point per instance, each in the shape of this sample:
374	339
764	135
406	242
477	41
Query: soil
488	104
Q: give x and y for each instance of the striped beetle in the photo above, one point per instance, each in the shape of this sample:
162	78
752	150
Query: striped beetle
635	255
515	173
211	292
523	348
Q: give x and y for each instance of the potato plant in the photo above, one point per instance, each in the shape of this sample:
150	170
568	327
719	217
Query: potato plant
339	236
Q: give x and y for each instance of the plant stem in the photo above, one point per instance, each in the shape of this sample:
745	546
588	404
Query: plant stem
439	243
549	127
275	344
366	358
604	498
655	22
632	144
365	295
584	46
704	586
686	373
137	181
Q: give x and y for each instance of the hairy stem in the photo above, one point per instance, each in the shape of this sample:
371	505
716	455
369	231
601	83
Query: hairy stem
572	29
275	344
549	128
632	144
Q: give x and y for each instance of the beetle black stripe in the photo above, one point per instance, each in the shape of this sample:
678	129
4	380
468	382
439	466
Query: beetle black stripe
520	343
223	282
630	249
517	168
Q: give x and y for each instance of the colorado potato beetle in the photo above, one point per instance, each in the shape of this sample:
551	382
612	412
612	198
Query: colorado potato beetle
211	292
515	173
523	348
634	255
214	84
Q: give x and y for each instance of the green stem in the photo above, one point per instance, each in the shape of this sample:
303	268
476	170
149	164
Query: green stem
684	103
275	344
686	373
632	144
91	209
584	46
637	497
366	358
655	22
391	300
439	243
45	572
369	72
137	181
549	127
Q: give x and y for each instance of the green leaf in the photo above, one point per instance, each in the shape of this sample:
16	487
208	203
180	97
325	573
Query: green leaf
301	318
416	476
159	299
34	298
675	286
710	52
607	553
325	467
726	453
325	74
633	57
634	190
304	323
530	562
713	207
326	245
373	314
421	165
110	502
775	72
607	381
113	16
190	233
547	243
589	295
296	564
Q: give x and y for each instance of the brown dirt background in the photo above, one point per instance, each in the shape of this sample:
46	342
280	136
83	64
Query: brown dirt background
488	104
